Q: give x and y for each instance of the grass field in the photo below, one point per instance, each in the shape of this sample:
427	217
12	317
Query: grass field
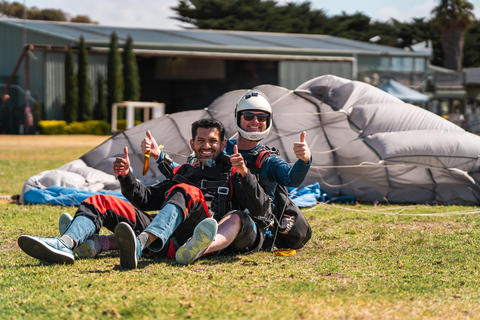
363	262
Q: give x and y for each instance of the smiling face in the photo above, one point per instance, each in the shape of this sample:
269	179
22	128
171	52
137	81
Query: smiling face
207	143
253	125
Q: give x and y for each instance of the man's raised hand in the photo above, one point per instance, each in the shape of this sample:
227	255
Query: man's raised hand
121	166
301	149
149	145
237	161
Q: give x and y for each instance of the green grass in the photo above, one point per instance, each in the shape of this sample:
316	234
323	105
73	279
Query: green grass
363	262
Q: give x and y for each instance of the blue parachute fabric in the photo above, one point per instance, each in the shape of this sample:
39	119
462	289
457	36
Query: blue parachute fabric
310	195
63	196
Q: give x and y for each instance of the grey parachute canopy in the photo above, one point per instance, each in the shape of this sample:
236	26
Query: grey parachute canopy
365	143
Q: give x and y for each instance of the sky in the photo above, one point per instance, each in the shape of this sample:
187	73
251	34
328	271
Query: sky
156	14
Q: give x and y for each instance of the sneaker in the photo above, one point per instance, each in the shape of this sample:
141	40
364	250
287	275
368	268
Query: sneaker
90	248
129	246
194	248
63	222
51	250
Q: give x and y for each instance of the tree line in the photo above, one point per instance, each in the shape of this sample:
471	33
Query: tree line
452	29
18	10
122	83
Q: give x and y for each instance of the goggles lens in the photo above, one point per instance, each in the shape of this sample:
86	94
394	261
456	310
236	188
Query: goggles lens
261	117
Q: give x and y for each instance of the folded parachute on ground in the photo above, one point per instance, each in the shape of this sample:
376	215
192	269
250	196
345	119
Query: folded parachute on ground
365	143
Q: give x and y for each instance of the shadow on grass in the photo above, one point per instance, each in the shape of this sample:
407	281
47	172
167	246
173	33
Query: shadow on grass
144	262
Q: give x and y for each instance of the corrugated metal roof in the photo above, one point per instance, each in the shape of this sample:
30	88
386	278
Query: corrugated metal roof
98	35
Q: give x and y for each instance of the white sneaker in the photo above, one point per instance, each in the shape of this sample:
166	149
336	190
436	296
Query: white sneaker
90	248
194	248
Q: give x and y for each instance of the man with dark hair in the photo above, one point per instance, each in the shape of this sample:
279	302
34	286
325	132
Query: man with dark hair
208	187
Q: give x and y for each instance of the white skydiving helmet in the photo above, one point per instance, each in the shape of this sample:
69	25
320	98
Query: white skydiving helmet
253	100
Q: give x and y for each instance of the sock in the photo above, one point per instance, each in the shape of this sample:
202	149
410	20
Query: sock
68	241
144	239
104	242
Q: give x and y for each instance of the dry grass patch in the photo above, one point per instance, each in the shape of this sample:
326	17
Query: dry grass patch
31	142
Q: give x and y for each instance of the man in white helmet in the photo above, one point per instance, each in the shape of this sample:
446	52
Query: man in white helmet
253	119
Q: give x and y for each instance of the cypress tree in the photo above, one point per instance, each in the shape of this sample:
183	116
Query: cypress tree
130	72
115	84
71	89
84	87
101	111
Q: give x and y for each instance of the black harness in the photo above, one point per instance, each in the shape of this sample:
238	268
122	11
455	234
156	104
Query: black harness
258	158
215	184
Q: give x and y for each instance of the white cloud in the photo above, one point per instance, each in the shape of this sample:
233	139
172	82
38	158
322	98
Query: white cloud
126	13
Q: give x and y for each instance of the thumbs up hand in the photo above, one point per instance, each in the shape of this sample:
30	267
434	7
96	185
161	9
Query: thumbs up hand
121	166
301	149
237	161
150	146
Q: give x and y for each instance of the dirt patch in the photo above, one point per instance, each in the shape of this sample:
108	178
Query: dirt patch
29	142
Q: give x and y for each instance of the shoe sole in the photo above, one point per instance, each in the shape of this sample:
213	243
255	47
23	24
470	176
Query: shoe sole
43	252
63	222
127	243
203	236
86	250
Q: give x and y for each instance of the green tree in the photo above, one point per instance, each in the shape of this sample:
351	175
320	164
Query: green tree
82	19
115	85
12	10
71	89
18	10
419	30
84	86
471	50
101	110
130	72
453	18
251	15
355	26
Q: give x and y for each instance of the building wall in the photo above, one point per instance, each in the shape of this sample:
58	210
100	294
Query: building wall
291	74
12	45
55	77
391	63
12	39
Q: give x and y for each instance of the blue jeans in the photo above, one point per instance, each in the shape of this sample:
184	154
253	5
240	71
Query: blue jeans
80	229
164	224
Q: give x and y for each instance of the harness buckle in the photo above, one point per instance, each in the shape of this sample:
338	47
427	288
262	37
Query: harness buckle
202	184
223	190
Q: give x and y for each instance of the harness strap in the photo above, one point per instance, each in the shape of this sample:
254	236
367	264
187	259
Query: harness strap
222	196
165	165
220	189
262	156
181	179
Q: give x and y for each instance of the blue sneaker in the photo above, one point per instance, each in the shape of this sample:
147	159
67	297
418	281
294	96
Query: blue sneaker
63	222
129	246
194	248
51	250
